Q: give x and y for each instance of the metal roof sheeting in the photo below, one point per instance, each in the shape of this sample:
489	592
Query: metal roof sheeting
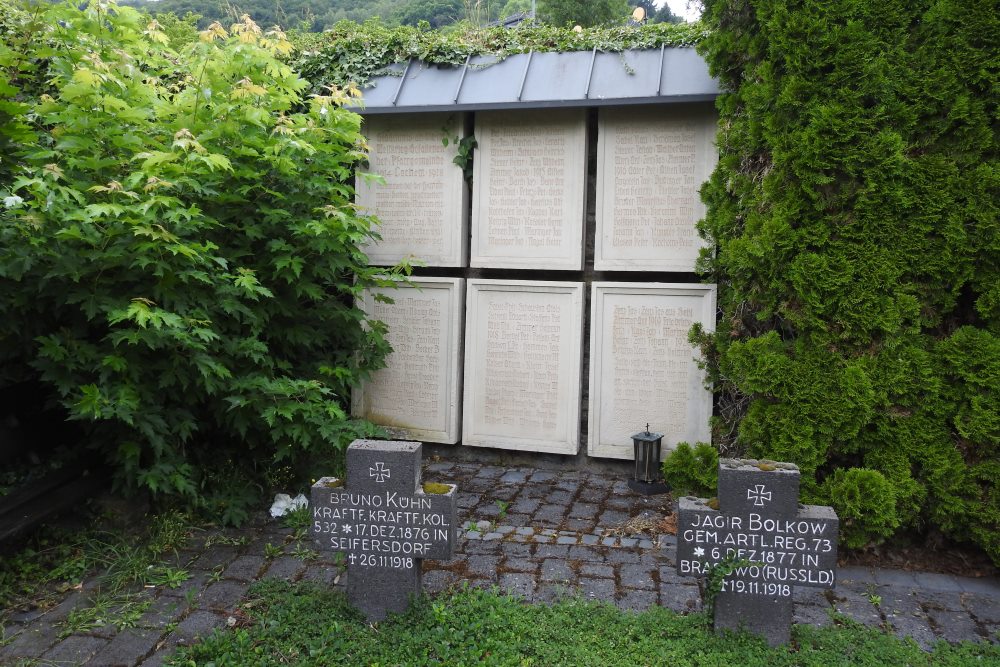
538	80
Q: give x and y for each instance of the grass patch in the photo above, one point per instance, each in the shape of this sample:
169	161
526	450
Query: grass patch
300	624
54	560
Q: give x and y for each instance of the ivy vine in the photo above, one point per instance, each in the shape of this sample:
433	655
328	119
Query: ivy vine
352	53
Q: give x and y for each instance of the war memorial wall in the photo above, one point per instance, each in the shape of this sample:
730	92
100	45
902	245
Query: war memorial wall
555	295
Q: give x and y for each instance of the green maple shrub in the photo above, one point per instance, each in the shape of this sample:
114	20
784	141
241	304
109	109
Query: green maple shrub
854	210
179	254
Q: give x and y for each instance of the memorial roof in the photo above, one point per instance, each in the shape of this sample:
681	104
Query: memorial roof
542	80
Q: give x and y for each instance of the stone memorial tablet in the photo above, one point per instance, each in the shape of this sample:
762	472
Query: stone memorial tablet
385	522
522	365
642	367
651	163
417	395
422	204
771	542
529	191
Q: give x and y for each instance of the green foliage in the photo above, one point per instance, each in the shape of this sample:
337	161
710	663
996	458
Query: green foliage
304	625
437	13
352	53
692	471
854	212
181	263
866	505
583	12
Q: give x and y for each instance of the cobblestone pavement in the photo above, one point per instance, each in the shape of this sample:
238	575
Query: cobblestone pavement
539	534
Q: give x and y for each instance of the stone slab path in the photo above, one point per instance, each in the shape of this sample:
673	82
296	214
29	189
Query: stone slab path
539	534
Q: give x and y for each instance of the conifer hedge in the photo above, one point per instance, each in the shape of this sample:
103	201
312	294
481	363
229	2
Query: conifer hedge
854	212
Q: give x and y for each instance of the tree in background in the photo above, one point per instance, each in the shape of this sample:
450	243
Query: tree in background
436	13
583	12
855	215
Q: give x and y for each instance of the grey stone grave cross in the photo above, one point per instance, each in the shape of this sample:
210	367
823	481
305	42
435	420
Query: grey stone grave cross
385	523
773	542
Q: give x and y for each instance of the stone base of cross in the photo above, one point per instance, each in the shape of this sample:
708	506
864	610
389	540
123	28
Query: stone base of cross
766	539
384	522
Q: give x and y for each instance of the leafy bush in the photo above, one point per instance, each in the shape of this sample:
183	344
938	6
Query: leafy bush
179	255
692	470
854	210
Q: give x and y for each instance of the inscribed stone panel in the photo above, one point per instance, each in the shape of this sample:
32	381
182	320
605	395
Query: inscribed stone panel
529	191
522	365
423	202
651	163
642	368
417	394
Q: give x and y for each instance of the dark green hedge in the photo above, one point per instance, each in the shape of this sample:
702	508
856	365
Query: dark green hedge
854	210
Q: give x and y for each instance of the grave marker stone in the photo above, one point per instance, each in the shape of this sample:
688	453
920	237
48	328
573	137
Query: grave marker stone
418	393
384	522
529	191
760	526
422	203
522	365
642	367
650	165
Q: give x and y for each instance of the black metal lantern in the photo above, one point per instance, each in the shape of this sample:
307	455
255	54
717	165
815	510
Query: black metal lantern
647	478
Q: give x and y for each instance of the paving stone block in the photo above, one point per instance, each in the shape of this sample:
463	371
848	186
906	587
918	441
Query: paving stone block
214	557
559	498
481	547
580	510
287	568
590	494
482	566
585	553
579	525
552	551
520	565
954	626
518	585
223	595
596	570
590	539
916	628
857	606
550	514
540	476
628	542
129	647
556	569
437	581
982	585
985	608
940	600
524	505
622	556
197	624
163	610
637	576
888	577
74	650
810	614
514	477
564	539
31	642
511	549
597	588
684	599
934	581
635	600
466	500
490	472
611	517
245	568
320	575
